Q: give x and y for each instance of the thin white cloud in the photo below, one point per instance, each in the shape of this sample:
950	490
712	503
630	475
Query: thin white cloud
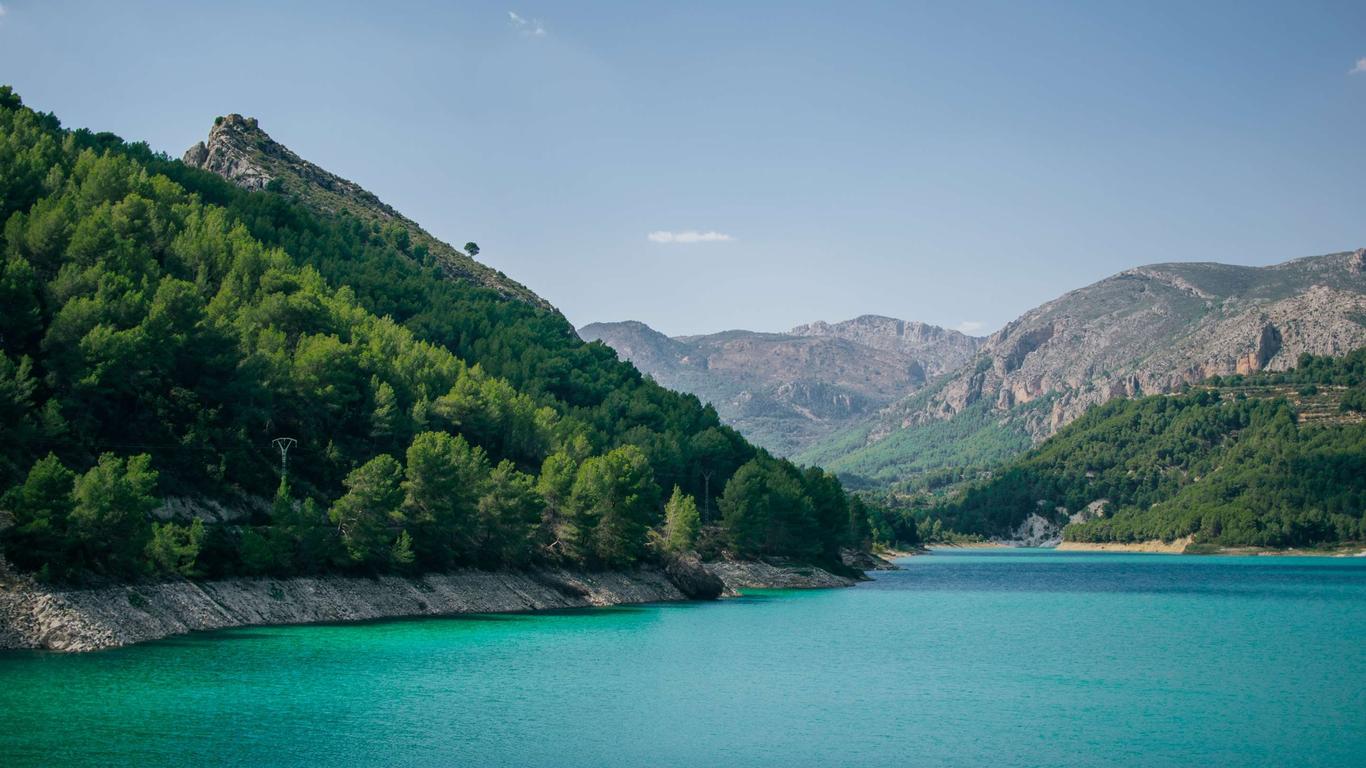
1359	68
970	327
689	236
527	27
3	10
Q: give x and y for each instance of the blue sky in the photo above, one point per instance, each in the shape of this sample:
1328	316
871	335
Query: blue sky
704	166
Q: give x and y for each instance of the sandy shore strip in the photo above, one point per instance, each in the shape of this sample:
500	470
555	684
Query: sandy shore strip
1181	545
1156	546
1351	550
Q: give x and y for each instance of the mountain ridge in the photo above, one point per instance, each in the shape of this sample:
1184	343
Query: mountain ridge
239	150
787	390
1147	330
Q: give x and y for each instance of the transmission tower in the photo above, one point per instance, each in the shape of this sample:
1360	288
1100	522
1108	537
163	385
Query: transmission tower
284	444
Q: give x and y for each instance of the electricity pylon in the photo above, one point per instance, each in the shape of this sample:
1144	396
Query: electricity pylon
284	444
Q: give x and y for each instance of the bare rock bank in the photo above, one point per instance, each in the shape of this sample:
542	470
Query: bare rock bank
34	615
746	574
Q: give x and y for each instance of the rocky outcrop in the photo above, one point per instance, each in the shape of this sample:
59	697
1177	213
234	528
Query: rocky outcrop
239	151
866	561
231	510
693	579
1264	349
748	574
787	390
1035	531
235	160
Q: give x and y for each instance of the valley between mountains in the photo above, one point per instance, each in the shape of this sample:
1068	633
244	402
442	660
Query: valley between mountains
917	414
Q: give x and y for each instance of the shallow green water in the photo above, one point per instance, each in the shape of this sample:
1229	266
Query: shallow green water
972	658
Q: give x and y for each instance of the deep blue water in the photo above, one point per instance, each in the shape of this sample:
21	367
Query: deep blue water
990	658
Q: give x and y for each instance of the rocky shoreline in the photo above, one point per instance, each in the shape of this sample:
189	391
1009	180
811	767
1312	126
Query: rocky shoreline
39	616
747	574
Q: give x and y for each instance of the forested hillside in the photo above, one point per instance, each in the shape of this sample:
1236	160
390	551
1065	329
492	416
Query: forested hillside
162	326
1270	459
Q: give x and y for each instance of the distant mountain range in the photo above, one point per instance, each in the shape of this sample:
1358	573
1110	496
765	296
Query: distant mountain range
1148	330
786	391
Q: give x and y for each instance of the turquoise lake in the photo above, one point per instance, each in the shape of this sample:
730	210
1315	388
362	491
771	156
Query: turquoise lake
971	658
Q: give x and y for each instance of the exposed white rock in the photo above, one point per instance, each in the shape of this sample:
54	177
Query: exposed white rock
1035	531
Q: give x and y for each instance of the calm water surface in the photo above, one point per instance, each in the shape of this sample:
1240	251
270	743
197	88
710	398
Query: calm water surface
990	658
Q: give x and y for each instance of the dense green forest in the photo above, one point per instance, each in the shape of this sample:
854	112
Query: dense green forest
1272	459
161	327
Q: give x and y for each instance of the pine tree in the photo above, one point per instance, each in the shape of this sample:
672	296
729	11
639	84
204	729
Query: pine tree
681	522
614	503
371	505
174	547
384	420
41	507
401	553
109	521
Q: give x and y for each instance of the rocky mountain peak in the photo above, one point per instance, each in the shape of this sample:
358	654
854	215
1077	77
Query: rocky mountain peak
944	349
241	152
230	149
